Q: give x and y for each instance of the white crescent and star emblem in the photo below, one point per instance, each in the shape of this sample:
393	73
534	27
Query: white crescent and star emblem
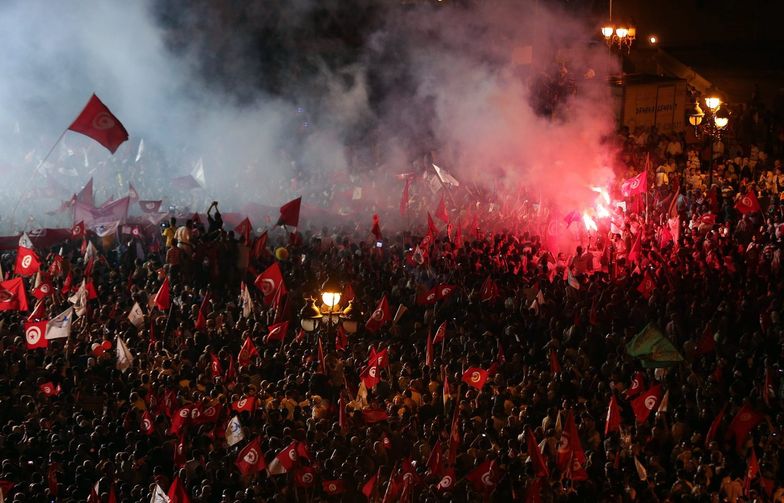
307	478
147	424
184	413
47	389
635	183
33	335
446	482
103	121
267	286
332	487
26	261
45	288
487	479
431	296
378	315
292	455
251	457
650	402
372	372
475	377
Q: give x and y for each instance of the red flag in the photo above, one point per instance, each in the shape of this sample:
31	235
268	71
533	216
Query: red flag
289	213
370	376
284	461
635	185
67	284
380	358
752	471
441	212
576	469
43	287
447	482
78	230
341	339
50	389
269	281
440	333
638	381
714	426
243	229
748	203
435	459
201	317
250	460
376	229
404	197
147	425
369	487
150	206
429	350
540	466
489	291
646	402
333	487
427	297
245	404
12	295
27	262
180	419
305	476
613	422
247	351
555	366
635	253
56	267
277	332
215	366
743	422
34	334
97	122
647	286
179	451
443	291
163	297
371	415
432	230
39	312
484	477
380	316
177	492
260	246
475	377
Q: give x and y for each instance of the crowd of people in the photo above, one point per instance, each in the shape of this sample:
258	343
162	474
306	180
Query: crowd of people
177	366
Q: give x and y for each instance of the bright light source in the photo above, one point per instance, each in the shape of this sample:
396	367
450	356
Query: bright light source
621	32
653	40
607	31
713	103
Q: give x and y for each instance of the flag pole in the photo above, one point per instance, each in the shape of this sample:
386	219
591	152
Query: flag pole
31	178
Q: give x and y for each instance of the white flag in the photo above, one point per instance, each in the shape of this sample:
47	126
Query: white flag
247	302
24	240
234	431
124	356
140	151
79	300
105	229
198	173
136	316
60	326
158	496
445	177
91	251
641	471
664	404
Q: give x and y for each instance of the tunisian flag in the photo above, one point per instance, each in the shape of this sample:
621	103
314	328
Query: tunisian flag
748	203
635	185
27	262
163	297
646	402
250	460
269	281
743	422
289	213
380	316
12	295
97	122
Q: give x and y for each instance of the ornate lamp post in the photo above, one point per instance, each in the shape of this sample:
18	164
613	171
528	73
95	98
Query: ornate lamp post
711	124
330	313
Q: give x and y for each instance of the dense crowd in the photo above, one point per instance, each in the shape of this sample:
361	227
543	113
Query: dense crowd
532	359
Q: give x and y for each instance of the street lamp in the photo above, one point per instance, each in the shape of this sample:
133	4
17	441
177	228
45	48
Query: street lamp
330	313
621	36
710	124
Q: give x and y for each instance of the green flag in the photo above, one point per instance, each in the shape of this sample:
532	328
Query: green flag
653	348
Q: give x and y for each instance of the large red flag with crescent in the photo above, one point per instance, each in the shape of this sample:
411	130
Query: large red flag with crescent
97	122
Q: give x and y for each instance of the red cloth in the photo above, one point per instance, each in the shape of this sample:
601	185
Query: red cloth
97	122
